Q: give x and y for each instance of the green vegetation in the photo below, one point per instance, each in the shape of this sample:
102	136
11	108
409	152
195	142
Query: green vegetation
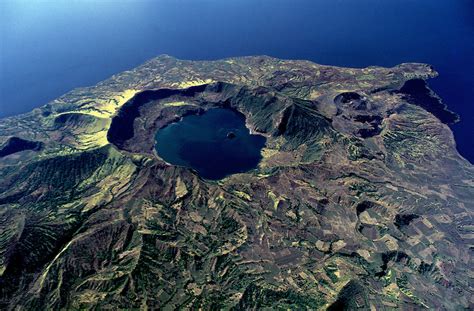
360	201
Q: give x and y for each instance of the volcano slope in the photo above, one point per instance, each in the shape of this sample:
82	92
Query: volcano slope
360	199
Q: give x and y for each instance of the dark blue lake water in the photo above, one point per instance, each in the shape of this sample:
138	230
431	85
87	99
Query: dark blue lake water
50	47
215	144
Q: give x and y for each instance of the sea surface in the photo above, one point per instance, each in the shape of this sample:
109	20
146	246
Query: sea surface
216	143
49	47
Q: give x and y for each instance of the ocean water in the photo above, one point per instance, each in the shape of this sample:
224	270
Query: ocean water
216	144
49	47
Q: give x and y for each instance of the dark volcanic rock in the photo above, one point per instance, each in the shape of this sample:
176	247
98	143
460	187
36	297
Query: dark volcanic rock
417	92
16	144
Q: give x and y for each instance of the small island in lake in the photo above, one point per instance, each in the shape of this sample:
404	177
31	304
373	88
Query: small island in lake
231	135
